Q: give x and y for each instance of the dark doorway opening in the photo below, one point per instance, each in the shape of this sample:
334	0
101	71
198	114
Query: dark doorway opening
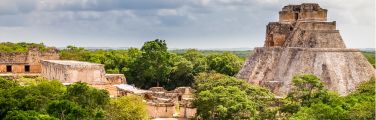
296	16
27	68
179	98
9	68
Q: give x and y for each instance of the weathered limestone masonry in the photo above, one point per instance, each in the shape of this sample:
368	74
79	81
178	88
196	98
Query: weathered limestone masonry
304	42
162	103
68	71
25	62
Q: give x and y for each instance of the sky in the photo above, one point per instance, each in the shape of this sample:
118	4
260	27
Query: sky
199	24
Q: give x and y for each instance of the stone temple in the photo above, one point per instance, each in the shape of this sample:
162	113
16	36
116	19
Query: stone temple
304	42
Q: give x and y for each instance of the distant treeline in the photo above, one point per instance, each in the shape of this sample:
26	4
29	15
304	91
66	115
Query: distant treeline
21	47
242	54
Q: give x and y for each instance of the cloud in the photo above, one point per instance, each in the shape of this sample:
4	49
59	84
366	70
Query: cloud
183	23
17	6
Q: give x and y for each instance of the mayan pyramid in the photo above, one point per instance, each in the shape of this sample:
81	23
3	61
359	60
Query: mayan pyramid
303	41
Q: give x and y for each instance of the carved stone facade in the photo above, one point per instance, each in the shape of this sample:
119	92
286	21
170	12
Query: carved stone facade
25	62
303	42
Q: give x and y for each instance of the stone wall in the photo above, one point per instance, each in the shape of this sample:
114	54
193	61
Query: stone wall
68	71
277	33
340	69
32	58
116	78
303	12
161	110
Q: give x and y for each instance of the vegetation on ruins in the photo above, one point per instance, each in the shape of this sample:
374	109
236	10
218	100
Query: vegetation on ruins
21	47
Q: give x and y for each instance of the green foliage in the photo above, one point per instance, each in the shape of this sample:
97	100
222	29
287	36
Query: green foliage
370	57
7	84
307	89
361	102
91	99
44	97
86	96
321	111
181	74
225	63
27	115
65	109
209	80
223	97
21	47
153	67
224	103
197	59
73	53
310	100
127	108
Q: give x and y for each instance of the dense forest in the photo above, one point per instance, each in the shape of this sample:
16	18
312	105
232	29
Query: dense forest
219	95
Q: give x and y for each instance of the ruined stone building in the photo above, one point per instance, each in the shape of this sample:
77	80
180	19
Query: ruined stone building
25	62
303	41
177	103
47	64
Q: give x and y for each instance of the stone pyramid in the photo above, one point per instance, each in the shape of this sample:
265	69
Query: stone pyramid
303	41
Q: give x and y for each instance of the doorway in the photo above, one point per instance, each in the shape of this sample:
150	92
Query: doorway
9	68
27	68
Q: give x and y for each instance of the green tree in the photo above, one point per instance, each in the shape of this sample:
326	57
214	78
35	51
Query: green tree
224	103
226	63
7	84
361	102
181	74
65	109
259	99
306	90
153	67
310	100
36	97
197	59
127	108
73	53
27	115
89	98
320	111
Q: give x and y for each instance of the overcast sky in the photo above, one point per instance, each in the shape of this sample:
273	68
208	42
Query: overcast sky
182	23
